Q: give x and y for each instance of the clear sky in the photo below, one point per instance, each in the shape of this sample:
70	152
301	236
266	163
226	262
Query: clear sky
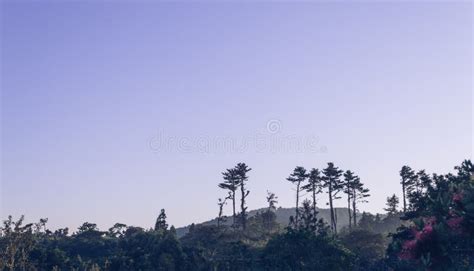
112	111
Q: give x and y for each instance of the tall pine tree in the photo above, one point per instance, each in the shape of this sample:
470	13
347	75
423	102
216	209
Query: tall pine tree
231	183
392	205
359	195
298	177
161	224
314	187
407	175
348	188
241	170
332	181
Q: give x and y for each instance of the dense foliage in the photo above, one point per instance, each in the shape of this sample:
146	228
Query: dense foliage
435	232
440	233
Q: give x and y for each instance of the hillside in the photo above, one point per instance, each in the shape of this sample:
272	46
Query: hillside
282	217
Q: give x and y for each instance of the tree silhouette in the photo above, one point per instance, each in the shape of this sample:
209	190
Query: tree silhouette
314	187
117	230
298	177
308	220
425	180
272	200
392	205
421	182
439	234
241	170
332	181
16	242
348	188
359	195
87	227
62	232
465	171
221	203
231	183
160	224
406	174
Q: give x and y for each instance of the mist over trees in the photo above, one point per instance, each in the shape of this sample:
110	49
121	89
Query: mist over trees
432	230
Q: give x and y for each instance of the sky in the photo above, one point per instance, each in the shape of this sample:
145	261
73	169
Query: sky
111	111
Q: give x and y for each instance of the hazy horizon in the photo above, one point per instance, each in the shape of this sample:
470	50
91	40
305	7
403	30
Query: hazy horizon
113	111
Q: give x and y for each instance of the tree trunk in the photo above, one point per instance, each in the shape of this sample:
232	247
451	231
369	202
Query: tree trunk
233	208
349	210
297	202
331	208
354	209
404	198
242	206
314	201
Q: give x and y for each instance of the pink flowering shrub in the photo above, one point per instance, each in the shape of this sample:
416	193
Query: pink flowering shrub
440	236
455	223
457	197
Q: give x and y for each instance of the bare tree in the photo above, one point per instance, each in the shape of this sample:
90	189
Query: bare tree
221	203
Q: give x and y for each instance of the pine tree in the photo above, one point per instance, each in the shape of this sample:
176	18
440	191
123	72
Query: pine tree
348	188
359	193
314	187
414	191
298	177
241	170
421	182
221	203
425	180
392	205
407	175
308	220
272	200
160	224
231	183
332	181
269	216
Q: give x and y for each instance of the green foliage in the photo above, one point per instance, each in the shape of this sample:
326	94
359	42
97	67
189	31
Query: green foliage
297	177
332	182
17	241
440	235
369	247
407	175
314	186
392	205
272	200
161	224
435	233
303	250
242	169
231	184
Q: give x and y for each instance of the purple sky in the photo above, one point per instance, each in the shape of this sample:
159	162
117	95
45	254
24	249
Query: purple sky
111	111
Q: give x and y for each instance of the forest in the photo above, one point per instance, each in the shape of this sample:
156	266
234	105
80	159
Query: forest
430	227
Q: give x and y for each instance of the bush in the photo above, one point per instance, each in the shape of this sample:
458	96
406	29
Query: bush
303	250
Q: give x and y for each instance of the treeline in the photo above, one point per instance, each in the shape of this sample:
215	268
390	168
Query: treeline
331	180
434	230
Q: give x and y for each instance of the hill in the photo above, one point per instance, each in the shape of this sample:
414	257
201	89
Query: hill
282	217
